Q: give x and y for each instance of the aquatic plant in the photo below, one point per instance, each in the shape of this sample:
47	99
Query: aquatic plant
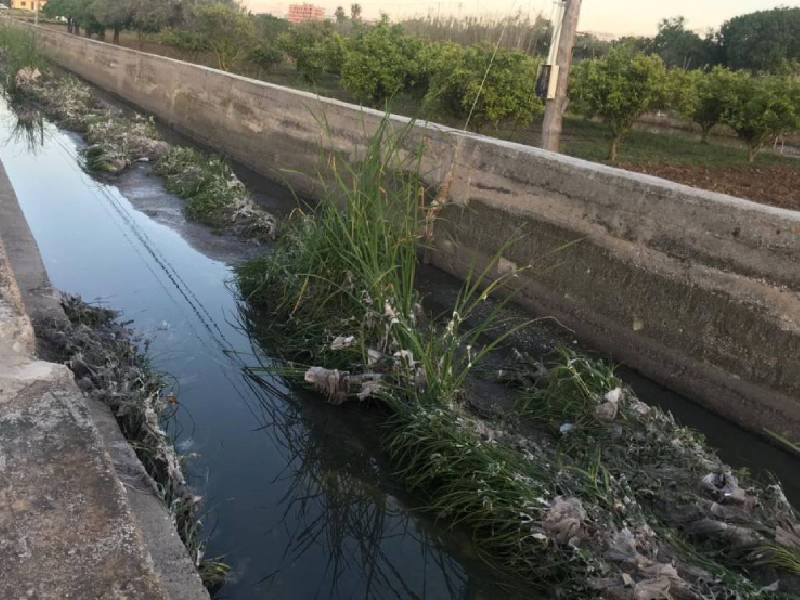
18	52
116	140
214	194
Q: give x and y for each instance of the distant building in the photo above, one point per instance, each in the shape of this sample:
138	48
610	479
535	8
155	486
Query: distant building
304	12
28	4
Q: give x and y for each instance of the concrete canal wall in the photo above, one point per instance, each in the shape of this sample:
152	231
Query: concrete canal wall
79	517
697	290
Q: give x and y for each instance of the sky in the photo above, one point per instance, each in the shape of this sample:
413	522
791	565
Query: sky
619	17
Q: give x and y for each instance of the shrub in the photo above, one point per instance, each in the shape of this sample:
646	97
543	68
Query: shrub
619	89
713	92
308	46
189	41
380	63
228	31
759	109
266	55
479	85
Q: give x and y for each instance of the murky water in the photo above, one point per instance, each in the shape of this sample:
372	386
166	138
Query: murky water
298	499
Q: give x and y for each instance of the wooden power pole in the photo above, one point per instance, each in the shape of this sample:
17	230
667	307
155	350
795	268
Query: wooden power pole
563	42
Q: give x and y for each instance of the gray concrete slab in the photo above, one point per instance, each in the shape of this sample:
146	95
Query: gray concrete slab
79	517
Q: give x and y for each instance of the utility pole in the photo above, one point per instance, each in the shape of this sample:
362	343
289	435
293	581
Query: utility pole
564	36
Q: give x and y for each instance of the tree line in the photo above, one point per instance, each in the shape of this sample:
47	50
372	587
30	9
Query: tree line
625	84
481	84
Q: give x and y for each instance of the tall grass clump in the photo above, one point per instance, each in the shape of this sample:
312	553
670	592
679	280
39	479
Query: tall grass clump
340	288
599	488
337	299
18	50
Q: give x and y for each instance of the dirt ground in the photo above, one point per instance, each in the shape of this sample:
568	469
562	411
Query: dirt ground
775	185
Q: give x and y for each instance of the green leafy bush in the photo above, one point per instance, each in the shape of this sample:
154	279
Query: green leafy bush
266	55
712	93
477	84
228	31
619	89
183	39
309	46
759	109
381	62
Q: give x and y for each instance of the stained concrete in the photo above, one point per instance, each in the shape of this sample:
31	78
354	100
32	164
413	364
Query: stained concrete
697	290
79	518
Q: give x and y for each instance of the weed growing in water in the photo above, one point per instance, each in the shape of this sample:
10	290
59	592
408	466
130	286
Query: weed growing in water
571	509
214	195
18	51
208	184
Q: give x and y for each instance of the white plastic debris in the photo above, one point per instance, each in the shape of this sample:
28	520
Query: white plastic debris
342	342
564	520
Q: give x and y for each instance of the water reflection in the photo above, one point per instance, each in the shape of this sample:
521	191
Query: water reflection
339	499
28	128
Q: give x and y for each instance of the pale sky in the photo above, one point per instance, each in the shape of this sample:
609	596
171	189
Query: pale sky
621	17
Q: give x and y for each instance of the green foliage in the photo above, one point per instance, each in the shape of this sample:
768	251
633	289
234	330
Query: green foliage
269	26
208	184
712	93
569	392
681	47
184	39
588	45
379	63
228	31
19	50
681	90
759	109
308	44
515	33
619	89
266	55
150	16
763	40
483	86
113	14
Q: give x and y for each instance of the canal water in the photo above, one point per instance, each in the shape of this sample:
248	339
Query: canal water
298	498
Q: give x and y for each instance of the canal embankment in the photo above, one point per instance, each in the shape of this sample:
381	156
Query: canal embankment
80	517
697	290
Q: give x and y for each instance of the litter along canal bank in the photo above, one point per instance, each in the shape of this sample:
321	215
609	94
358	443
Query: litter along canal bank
331	491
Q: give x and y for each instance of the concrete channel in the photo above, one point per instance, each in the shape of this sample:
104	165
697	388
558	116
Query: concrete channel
654	273
697	290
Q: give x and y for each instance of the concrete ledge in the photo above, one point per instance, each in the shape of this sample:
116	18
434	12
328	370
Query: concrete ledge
698	290
79	517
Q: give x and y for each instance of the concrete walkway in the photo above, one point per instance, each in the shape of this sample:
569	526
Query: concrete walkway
78	515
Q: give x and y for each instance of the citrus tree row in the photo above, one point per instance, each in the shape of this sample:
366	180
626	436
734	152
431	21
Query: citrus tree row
473	85
621	87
